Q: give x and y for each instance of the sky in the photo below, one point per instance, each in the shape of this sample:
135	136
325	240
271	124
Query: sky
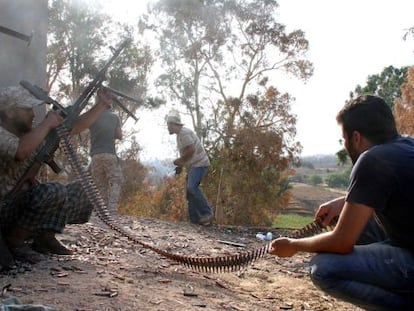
348	41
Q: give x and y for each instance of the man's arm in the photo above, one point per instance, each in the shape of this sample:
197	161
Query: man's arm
341	239
118	131
85	120
29	142
330	210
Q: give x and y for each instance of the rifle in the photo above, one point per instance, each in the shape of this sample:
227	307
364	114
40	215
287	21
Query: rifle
121	105
71	113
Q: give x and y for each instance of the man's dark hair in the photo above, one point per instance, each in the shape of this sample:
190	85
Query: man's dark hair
371	116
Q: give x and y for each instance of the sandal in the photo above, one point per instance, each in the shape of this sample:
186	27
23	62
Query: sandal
48	244
26	254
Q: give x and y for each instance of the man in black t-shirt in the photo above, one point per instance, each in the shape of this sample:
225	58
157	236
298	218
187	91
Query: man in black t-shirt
105	166
378	274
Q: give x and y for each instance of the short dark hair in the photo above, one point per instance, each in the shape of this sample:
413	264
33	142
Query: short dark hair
371	116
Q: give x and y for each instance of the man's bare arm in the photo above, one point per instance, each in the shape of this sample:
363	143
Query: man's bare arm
341	240
29	142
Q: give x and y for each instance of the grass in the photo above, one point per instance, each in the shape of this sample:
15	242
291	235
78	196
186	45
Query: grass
291	221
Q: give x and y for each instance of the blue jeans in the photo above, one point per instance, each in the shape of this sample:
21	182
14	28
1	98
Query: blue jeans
376	276
197	203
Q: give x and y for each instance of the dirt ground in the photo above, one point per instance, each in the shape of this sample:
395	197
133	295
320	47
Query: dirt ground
109	272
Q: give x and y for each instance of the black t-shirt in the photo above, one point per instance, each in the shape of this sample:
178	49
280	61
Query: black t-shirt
383	178
103	133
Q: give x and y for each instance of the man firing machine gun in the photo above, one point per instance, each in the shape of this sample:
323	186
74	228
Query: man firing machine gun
29	209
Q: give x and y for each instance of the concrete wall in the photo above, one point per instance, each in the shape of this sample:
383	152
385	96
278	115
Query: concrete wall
18	60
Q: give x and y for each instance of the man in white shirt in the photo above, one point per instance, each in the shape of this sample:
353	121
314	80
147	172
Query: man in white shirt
195	160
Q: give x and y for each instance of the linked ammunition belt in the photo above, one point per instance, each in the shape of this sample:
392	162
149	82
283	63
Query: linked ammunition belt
228	263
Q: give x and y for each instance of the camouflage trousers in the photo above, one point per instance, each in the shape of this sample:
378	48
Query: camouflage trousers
48	206
108	178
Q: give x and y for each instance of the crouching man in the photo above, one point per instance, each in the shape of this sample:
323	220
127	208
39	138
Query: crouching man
39	210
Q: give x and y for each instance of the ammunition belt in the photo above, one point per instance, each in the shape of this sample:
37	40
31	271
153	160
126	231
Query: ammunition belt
218	264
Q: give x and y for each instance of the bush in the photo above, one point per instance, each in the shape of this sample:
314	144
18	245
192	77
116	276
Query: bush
315	180
167	202
337	180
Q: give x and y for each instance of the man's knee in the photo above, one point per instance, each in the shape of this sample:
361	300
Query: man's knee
192	190
48	193
319	270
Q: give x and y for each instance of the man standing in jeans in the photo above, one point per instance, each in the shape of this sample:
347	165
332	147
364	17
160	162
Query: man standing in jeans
195	160
106	170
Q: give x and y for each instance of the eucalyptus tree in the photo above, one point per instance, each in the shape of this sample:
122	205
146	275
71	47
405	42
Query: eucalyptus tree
214	52
404	106
219	59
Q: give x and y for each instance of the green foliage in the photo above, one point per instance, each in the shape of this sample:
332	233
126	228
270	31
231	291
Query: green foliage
249	183
386	84
315	179
338	180
342	156
206	44
291	221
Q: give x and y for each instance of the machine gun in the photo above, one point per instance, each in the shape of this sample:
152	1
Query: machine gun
71	113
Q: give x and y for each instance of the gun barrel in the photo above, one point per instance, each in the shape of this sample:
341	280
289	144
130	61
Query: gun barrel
92	87
116	92
16	34
125	109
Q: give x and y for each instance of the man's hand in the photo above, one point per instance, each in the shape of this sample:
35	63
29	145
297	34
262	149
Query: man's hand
84	121
53	119
329	211
282	247
178	170
178	162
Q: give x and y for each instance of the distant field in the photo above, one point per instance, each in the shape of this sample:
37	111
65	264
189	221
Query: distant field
292	221
307	198
304	203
